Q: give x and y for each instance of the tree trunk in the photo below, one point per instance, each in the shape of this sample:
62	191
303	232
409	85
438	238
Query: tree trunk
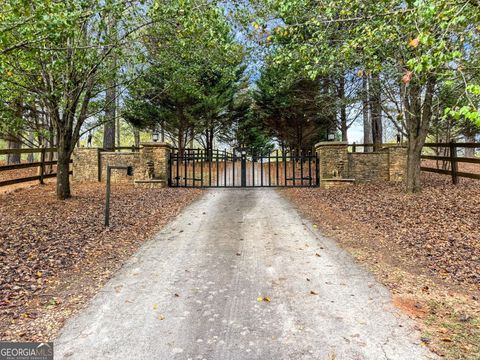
118	123
136	137
110	111
63	169
376	110
418	116
109	134
343	108
14	158
30	157
414	153
367	124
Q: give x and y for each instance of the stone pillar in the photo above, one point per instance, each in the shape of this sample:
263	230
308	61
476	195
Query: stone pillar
85	164
333	158
397	163
158	154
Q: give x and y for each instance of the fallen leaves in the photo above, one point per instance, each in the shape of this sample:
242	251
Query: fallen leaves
413	43
54	255
437	230
424	247
266	299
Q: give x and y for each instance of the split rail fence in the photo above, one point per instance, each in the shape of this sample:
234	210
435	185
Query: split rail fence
45	168
445	156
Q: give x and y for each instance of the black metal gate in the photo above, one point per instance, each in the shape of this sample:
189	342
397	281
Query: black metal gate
199	168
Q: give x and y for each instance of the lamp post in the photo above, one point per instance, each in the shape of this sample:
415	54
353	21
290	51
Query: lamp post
107	197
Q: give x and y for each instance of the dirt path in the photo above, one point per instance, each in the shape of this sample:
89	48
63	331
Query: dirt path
193	293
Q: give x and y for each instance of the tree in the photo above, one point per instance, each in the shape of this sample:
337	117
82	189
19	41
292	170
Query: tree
293	111
195	67
57	52
419	44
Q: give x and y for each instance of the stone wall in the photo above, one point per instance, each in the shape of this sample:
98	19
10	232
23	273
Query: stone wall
119	159
364	167
397	163
387	164
86	164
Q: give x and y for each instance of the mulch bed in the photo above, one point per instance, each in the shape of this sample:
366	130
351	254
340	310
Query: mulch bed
440	227
424	247
55	255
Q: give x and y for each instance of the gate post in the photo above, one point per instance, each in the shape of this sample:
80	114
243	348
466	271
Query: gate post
244	170
333	160
159	155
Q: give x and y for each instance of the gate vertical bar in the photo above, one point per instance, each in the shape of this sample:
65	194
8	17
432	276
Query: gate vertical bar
301	167
201	152
210	167
261	171
194	160
233	169
170	170
253	170
185	159
277	182
217	168
293	167
177	177
225	168
269	169
285	167
317	169
244	171
310	168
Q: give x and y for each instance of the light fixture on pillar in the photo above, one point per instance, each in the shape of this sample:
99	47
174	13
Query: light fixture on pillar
331	136
155	136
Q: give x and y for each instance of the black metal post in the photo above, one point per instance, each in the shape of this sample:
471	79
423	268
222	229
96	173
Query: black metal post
269	169
310	168
277	182
201	166
177	177
233	169
244	170
225	158
261	170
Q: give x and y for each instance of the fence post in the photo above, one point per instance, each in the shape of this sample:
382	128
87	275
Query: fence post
453	161
42	164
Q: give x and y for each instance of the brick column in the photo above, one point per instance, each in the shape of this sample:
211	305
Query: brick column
333	158
159	154
85	164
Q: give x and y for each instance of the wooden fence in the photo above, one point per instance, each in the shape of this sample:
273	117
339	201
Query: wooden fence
41	165
449	158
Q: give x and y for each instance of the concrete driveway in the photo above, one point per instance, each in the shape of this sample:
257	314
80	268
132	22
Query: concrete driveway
200	290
